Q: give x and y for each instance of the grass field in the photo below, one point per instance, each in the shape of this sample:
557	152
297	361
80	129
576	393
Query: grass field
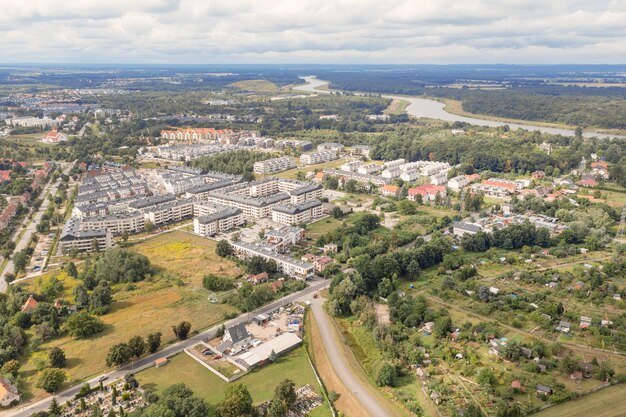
608	402
185	255
256	86
31	139
149	306
261	383
397	106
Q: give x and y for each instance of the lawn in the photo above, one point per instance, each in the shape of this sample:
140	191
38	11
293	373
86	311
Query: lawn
261	383
187	256
608	402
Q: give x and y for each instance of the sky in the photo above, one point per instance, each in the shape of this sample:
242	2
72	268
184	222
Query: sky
313	31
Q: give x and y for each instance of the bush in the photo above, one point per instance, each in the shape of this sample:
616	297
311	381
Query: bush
214	283
386	376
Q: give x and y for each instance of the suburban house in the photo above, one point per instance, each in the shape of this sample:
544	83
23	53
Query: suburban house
54	136
235	338
322	262
257	279
428	192
8	393
30	305
389	190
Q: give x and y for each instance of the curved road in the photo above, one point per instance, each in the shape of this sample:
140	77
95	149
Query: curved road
432	109
170	350
345	373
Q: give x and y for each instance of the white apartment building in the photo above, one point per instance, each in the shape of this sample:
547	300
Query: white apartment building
213	223
286	265
270	166
395	163
391	173
317	157
72	238
351	166
409	175
115	223
169	212
457	183
297	214
439	178
368	169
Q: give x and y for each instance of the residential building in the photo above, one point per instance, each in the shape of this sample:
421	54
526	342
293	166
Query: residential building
73	238
235	339
117	224
9	393
428	193
318	157
390	190
369	169
280	240
220	221
285	264
173	211
458	182
298	213
270	166
54	137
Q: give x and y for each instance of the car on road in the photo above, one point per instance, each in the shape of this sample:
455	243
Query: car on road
103	378
36	268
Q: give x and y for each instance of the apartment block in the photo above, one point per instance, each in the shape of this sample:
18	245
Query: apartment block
298	213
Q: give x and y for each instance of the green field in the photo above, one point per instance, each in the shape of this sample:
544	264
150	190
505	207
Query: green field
173	295
261	383
256	86
608	402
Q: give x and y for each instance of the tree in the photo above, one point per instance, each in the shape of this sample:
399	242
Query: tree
285	392
125	236
11	367
216	283
50	379
181	330
386	375
55	408
137	346
83	324
237	402
154	342
71	270
57	357
100	299
220	331
118	354
223	249
272	356
443	326
148	227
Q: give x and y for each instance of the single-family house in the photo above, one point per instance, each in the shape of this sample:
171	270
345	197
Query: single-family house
235	338
8	393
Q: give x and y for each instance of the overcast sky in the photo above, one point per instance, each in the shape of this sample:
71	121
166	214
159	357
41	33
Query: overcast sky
313	31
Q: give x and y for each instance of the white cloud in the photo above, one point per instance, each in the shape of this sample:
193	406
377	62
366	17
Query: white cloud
313	31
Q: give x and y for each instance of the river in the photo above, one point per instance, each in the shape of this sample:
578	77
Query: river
433	109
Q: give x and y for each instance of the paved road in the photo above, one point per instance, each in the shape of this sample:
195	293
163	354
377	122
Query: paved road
168	351
345	373
32	227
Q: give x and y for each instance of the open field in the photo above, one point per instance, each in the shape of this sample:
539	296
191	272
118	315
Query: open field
397	106
608	402
31	139
186	256
260	383
173	295
256	86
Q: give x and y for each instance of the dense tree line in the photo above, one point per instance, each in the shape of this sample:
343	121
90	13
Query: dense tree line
238	162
